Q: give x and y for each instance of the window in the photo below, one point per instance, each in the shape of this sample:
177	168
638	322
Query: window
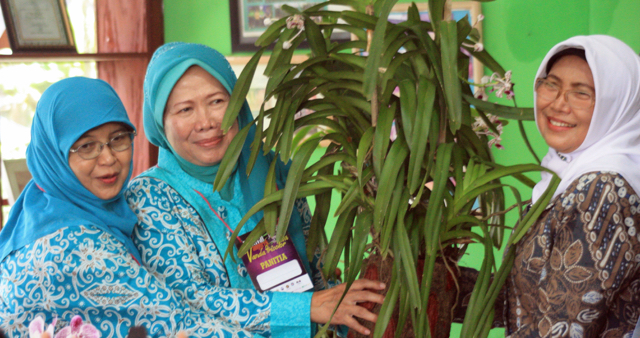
22	84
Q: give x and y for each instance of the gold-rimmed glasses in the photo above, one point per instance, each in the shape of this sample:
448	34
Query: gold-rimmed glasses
90	150
577	99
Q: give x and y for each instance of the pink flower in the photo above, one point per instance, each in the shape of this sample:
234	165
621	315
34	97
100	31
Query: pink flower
77	329
36	328
481	91
295	21
481	128
503	85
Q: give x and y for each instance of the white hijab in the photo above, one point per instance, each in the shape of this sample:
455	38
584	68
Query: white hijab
613	140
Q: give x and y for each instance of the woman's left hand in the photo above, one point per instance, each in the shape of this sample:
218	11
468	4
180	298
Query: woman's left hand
324	302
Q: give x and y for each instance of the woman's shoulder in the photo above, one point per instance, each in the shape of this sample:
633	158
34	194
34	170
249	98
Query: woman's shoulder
147	177
145	185
69	242
599	181
598	191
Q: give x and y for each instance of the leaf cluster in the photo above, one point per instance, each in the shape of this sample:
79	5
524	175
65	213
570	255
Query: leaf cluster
427	192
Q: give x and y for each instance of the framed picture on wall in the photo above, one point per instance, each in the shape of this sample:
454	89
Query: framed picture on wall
459	9
18	175
37	26
250	18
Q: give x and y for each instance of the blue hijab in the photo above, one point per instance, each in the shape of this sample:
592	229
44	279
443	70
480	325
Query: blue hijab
166	67
55	198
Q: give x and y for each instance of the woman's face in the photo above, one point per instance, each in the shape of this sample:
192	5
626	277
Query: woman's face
104	175
193	116
564	128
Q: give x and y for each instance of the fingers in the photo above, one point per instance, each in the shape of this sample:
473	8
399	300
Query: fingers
365	314
355	325
347	315
367	284
355	297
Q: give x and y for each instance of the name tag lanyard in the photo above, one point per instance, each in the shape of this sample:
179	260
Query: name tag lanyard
217	215
279	269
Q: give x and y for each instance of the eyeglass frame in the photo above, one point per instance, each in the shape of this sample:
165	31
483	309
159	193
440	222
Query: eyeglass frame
541	80
132	135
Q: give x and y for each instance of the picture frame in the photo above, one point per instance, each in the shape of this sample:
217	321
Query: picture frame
18	175
250	18
38	26
458	10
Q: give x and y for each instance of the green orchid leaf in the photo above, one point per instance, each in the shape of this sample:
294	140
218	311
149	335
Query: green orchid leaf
292	184
338	241
237	99
316	39
370	82
270	211
395	160
420	135
513	113
230	158
452	89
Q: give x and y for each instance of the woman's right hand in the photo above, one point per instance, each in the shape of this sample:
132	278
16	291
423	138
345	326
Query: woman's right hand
323	302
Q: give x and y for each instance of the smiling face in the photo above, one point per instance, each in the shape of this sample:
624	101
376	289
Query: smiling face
104	175
193	116
563	127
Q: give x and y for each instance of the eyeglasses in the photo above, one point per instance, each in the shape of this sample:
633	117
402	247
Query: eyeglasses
577	99
91	150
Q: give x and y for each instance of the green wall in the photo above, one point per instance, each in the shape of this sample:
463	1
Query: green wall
518	33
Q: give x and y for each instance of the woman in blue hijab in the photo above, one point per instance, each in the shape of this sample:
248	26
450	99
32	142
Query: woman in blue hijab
67	248
184	226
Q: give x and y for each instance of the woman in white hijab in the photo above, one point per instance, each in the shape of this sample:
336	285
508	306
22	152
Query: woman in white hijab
576	272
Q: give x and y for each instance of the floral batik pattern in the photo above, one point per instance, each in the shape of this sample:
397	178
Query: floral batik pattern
576	270
84	271
176	246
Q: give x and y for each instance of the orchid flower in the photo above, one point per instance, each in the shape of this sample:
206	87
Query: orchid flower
36	328
500	85
477	47
503	85
481	91
77	329
294	21
481	128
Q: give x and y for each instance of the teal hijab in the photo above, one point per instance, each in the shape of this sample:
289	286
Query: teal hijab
55	199
166	67
168	64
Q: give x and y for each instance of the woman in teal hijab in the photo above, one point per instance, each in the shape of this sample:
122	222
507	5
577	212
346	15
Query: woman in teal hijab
66	249
184	226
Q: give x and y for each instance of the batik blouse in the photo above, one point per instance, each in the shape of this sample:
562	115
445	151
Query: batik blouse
85	271
576	270
177	246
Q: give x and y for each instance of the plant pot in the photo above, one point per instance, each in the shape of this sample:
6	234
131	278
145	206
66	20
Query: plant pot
442	298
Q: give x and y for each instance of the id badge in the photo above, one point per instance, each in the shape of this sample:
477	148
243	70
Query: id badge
276	266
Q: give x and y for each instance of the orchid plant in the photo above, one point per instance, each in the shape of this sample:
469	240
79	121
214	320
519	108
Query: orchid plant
76	329
409	204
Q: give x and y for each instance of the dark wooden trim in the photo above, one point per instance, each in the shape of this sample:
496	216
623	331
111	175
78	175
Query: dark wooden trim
68	57
155	25
132	28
